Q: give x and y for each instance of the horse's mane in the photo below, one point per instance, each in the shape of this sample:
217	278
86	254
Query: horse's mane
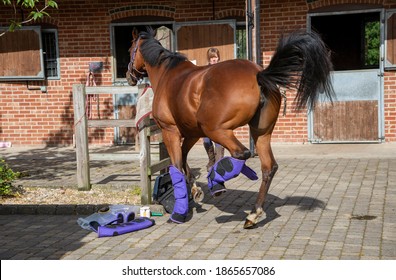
155	54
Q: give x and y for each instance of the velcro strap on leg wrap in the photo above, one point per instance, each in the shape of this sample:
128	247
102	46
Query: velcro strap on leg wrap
228	168
248	172
180	208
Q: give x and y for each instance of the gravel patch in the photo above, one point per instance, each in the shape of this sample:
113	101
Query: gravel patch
96	196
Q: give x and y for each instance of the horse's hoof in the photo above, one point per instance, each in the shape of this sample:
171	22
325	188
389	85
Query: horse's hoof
197	194
249	224
218	189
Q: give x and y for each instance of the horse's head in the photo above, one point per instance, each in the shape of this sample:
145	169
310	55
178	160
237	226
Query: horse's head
136	66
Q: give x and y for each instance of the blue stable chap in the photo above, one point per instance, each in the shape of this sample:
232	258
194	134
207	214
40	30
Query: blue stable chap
226	169
180	208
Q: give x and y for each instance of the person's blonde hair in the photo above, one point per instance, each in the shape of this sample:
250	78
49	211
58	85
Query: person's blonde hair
213	52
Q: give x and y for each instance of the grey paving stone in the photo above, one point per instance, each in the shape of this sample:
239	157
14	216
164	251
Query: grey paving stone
308	215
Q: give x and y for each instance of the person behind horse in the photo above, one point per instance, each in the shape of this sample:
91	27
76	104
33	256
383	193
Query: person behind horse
215	151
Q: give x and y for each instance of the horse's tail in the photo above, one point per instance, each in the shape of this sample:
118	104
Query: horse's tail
301	61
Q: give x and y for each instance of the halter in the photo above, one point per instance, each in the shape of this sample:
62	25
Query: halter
131	67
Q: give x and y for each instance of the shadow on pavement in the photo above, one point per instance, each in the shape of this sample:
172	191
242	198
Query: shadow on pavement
238	202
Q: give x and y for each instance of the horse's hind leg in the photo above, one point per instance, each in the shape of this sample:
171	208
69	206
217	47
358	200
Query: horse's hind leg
228	167
227	139
269	168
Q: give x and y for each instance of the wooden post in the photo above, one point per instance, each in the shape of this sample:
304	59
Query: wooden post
145	161
80	123
163	154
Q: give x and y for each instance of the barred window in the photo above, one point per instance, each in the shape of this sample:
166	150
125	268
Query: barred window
241	40
50	53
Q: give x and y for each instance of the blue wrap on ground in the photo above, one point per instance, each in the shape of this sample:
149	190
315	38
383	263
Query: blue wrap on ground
226	169
117	229
180	208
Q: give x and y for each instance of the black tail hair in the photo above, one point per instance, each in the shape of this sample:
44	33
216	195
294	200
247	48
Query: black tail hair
301	61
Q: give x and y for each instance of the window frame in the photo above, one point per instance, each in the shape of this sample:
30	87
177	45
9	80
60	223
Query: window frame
113	42
41	74
389	65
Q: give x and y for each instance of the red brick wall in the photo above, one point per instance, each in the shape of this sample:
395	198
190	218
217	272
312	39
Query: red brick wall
279	17
283	16
30	117
390	106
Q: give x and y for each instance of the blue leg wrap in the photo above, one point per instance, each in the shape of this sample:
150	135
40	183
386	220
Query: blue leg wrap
180	208
121	228
226	169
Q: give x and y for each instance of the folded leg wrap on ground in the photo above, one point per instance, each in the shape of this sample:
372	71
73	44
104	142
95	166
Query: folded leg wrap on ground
180	208
226	169
121	228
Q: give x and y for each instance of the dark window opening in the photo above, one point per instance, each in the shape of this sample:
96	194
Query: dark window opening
354	39
123	41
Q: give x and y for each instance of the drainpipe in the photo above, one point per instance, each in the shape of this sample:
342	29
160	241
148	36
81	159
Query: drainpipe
257	33
253	22
213	10
258	51
249	25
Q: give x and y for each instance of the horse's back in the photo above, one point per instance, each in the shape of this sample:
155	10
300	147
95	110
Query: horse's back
236	69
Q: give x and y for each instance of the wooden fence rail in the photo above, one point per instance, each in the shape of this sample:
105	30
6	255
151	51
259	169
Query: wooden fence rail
146	128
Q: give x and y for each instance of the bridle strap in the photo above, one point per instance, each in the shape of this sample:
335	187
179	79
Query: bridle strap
131	66
134	53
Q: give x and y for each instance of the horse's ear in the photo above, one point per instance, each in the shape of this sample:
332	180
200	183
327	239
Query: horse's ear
135	33
151	31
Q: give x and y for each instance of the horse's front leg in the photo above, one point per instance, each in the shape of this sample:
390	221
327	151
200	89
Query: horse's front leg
172	140
196	191
268	168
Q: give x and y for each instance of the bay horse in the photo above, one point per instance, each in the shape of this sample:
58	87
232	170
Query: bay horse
191	102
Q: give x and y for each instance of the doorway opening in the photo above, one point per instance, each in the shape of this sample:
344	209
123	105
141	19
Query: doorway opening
354	41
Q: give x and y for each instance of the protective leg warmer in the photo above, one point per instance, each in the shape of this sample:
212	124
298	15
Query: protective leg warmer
180	209
226	169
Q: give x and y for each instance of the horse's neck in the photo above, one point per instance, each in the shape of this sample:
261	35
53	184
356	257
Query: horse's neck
155	74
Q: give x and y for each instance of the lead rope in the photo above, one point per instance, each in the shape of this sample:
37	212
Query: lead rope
91	97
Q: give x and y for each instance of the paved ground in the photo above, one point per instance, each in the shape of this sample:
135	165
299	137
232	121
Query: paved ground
326	202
